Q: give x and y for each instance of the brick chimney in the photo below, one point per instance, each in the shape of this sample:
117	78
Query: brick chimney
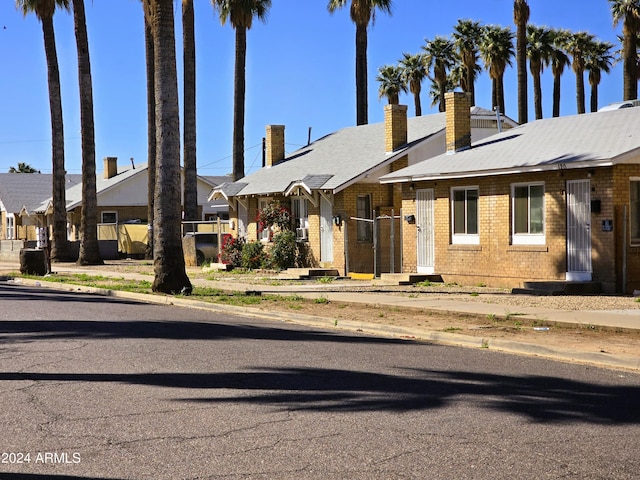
274	145
458	108
395	127
110	167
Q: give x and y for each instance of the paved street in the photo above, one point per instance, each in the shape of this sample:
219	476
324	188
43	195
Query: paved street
92	387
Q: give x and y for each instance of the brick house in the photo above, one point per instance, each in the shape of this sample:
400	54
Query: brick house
332	186
552	200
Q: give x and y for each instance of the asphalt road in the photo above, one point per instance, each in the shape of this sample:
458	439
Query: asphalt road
92	387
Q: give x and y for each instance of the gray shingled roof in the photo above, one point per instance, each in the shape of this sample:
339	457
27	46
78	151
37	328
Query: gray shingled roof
340	158
28	190
580	141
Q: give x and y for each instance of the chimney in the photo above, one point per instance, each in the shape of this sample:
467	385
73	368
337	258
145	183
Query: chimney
458	108
110	167
275	145
395	127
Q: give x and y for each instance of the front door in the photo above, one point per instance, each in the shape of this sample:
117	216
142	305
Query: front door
326	230
578	231
424	230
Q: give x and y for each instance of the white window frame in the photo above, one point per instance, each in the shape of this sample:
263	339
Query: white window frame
264	235
465	238
634	212
108	212
300	215
11	226
528	238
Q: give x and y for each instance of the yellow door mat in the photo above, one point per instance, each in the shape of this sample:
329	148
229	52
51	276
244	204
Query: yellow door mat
361	276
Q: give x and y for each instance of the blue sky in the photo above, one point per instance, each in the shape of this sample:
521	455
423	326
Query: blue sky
300	73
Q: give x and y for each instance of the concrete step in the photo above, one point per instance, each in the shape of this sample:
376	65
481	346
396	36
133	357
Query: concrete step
559	288
407	278
306	273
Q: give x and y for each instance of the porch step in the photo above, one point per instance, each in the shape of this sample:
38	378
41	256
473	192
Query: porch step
406	278
559	288
307	273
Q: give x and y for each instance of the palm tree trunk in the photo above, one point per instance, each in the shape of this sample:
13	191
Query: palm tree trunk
442	88
238	103
537	95
594	97
89	249
151	129
556	95
580	92
521	53
471	84
168	256
59	243
417	103
630	65
190	171
500	95
494	89
362	108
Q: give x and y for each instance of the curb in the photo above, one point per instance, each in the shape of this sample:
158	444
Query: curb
598	359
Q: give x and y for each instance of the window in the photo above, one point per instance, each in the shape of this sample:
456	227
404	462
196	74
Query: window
109	217
11	226
300	213
634	211
464	213
528	214
365	229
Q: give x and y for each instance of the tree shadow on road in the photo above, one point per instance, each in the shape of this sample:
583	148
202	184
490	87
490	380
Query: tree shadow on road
539	398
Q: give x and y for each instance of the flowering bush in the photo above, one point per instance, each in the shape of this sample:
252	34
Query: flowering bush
274	214
232	250
253	255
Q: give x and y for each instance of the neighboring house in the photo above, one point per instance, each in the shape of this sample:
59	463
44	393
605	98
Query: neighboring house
332	186
551	200
25	199
20	196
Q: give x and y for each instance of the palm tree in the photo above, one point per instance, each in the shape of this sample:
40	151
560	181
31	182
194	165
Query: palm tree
539	48
629	12
44	10
151	125
559	60
520	18
413	74
466	37
496	50
89	249
391	82
362	12
577	45
436	91
190	188
23	168
599	59
240	13
168	256
441	57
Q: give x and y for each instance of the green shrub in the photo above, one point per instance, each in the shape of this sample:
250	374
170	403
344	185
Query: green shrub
284	250
253	255
232	251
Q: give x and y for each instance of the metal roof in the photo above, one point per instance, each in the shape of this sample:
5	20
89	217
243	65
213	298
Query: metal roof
579	141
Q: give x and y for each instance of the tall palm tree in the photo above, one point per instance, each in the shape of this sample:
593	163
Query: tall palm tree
440	56
44	10
629	12
466	37
168	256
539	49
190	187
559	60
362	12
413	73
240	13
520	18
496	50
23	168
599	59
89	249
391	83
436	91
577	45
151	124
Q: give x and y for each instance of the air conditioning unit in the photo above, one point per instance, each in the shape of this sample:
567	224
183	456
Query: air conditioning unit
302	234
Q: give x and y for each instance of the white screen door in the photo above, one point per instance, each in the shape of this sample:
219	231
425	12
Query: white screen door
578	231
424	230
326	230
